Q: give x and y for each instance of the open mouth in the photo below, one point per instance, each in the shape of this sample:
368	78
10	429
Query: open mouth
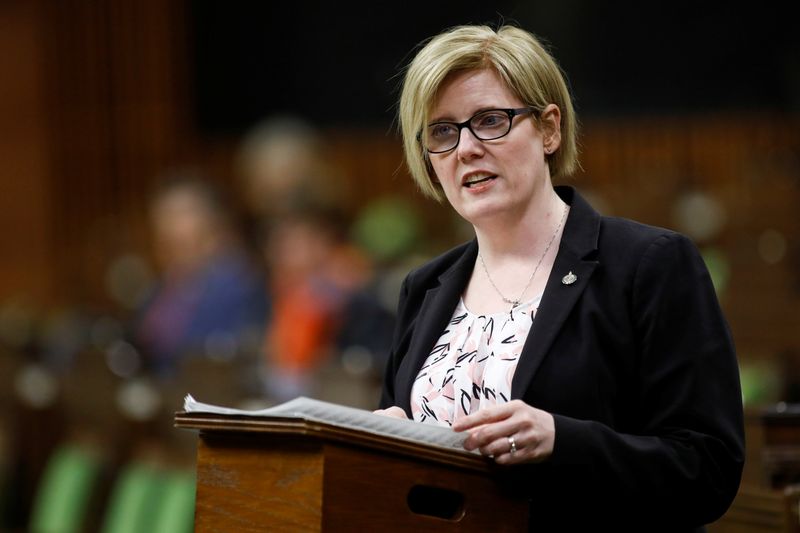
477	180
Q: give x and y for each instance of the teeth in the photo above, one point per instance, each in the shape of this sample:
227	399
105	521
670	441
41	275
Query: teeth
475	178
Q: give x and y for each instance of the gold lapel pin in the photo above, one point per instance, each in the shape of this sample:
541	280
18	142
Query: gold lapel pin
569	279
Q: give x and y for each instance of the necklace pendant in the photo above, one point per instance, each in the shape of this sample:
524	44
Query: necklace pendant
569	279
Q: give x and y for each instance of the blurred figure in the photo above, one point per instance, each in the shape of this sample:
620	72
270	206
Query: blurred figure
284	186
326	312
210	298
282	167
314	273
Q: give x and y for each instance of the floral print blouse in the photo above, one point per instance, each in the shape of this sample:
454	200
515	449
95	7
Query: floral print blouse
472	364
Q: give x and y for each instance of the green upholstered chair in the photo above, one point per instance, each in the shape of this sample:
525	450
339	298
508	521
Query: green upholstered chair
147	498
65	490
176	511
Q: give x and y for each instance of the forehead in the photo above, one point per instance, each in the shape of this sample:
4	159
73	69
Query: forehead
465	92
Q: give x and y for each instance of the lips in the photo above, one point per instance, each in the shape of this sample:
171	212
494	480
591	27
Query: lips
472	180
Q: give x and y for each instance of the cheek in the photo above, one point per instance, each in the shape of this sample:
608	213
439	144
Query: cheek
441	173
444	180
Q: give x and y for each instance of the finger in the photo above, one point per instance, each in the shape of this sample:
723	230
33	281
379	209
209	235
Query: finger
487	434
482	417
393	412
498	448
471	440
525	453
508	458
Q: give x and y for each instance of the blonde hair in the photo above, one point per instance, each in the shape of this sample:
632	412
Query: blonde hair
520	60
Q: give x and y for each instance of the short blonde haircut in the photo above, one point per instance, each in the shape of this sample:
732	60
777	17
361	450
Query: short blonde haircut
520	60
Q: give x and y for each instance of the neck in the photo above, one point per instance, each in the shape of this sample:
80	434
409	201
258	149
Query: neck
524	236
515	265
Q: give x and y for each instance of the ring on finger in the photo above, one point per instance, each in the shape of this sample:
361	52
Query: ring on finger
512	444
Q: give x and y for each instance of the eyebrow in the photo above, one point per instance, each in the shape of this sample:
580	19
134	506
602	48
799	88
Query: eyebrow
454	121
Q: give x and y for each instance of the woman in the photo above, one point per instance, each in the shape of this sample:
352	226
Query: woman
588	353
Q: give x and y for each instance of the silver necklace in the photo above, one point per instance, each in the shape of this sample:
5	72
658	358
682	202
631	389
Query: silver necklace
518	300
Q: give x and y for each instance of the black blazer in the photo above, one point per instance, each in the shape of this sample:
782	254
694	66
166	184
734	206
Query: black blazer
634	360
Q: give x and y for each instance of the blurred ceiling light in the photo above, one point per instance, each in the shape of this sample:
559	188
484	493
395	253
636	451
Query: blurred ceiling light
128	280
104	331
139	400
772	246
357	360
123	359
699	215
36	386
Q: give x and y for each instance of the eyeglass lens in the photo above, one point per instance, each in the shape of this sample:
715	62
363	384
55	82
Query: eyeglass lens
486	126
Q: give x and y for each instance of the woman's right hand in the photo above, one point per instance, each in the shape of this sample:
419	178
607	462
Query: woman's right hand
394	412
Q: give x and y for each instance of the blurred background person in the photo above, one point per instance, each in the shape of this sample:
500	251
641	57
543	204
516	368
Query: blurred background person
281	166
327	316
210	299
311	276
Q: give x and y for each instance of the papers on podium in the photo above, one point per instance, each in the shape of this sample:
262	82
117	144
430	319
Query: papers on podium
343	416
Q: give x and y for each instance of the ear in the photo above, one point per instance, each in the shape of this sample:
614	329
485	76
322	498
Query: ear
550	125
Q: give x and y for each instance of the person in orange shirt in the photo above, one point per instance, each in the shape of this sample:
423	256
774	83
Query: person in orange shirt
313	272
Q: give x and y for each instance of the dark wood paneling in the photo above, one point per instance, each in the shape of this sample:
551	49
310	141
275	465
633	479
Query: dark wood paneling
25	216
116	124
95	106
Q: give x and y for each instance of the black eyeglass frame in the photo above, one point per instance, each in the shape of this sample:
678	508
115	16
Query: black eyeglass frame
511	112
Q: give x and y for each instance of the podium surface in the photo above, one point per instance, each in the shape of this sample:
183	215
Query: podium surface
292	474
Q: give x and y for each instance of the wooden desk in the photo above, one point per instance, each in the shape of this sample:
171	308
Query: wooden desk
278	474
761	510
769	498
781	447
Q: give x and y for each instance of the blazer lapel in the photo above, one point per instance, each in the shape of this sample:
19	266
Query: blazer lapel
434	315
578	243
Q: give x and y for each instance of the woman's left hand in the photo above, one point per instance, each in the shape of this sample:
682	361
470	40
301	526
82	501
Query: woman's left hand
512	432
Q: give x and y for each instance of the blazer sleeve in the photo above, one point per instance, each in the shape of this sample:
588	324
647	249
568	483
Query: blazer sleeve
397	349
687	451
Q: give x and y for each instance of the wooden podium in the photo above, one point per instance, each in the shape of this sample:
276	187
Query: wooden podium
769	497
291	474
781	452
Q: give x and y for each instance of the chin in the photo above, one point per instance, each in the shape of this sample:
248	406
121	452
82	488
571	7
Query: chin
484	211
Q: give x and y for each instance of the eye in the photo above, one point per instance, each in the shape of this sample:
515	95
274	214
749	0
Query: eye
490	120
441	130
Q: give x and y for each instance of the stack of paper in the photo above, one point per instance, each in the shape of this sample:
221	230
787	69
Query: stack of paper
343	416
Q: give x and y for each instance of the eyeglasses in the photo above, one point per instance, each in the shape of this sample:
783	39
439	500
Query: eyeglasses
440	137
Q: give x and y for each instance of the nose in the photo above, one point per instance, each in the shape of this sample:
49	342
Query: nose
469	145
